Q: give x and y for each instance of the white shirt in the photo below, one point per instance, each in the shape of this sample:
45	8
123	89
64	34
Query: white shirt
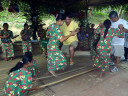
116	40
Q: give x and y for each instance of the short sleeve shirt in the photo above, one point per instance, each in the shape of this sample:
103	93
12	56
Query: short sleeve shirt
116	40
66	31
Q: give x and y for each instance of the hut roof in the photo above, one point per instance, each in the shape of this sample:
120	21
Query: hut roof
74	4
89	2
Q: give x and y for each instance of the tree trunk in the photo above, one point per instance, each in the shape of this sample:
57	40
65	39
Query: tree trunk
119	13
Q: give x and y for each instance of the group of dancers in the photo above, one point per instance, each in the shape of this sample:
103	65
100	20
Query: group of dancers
110	42
65	30
19	81
7	45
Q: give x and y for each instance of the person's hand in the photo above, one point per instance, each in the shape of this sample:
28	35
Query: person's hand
120	27
37	88
5	36
73	33
101	25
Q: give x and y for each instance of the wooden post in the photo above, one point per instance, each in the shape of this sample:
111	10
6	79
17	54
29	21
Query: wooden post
86	12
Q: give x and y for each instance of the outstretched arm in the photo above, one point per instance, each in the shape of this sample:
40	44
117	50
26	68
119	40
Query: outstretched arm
66	37
125	30
33	88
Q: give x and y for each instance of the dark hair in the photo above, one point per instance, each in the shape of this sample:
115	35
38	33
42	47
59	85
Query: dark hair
69	14
107	24
92	24
113	14
20	64
60	16
29	56
25	24
40	25
5	24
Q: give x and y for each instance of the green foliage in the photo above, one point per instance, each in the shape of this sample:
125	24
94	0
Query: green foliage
100	13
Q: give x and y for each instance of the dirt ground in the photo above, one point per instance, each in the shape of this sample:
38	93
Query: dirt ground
89	84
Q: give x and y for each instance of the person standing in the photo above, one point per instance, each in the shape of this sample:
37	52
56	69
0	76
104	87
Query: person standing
103	48
117	43
71	43
91	40
26	41
56	60
43	40
126	47
7	45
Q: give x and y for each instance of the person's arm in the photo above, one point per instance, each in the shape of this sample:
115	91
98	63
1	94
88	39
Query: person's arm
3	36
11	35
33	88
26	82
23	32
125	26
121	28
66	37
101	25
125	30
77	30
15	36
120	32
97	30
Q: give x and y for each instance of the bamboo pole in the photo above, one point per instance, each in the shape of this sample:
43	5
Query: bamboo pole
70	77
62	73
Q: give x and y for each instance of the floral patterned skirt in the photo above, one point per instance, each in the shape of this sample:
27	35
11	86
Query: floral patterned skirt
56	60
7	49
101	60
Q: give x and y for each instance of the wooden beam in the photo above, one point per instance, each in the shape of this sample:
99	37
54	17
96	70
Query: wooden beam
107	2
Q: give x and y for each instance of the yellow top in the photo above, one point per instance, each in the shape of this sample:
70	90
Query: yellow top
66	31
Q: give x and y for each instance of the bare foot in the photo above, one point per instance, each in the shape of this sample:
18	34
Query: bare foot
93	65
53	73
47	73
33	79
5	59
101	75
